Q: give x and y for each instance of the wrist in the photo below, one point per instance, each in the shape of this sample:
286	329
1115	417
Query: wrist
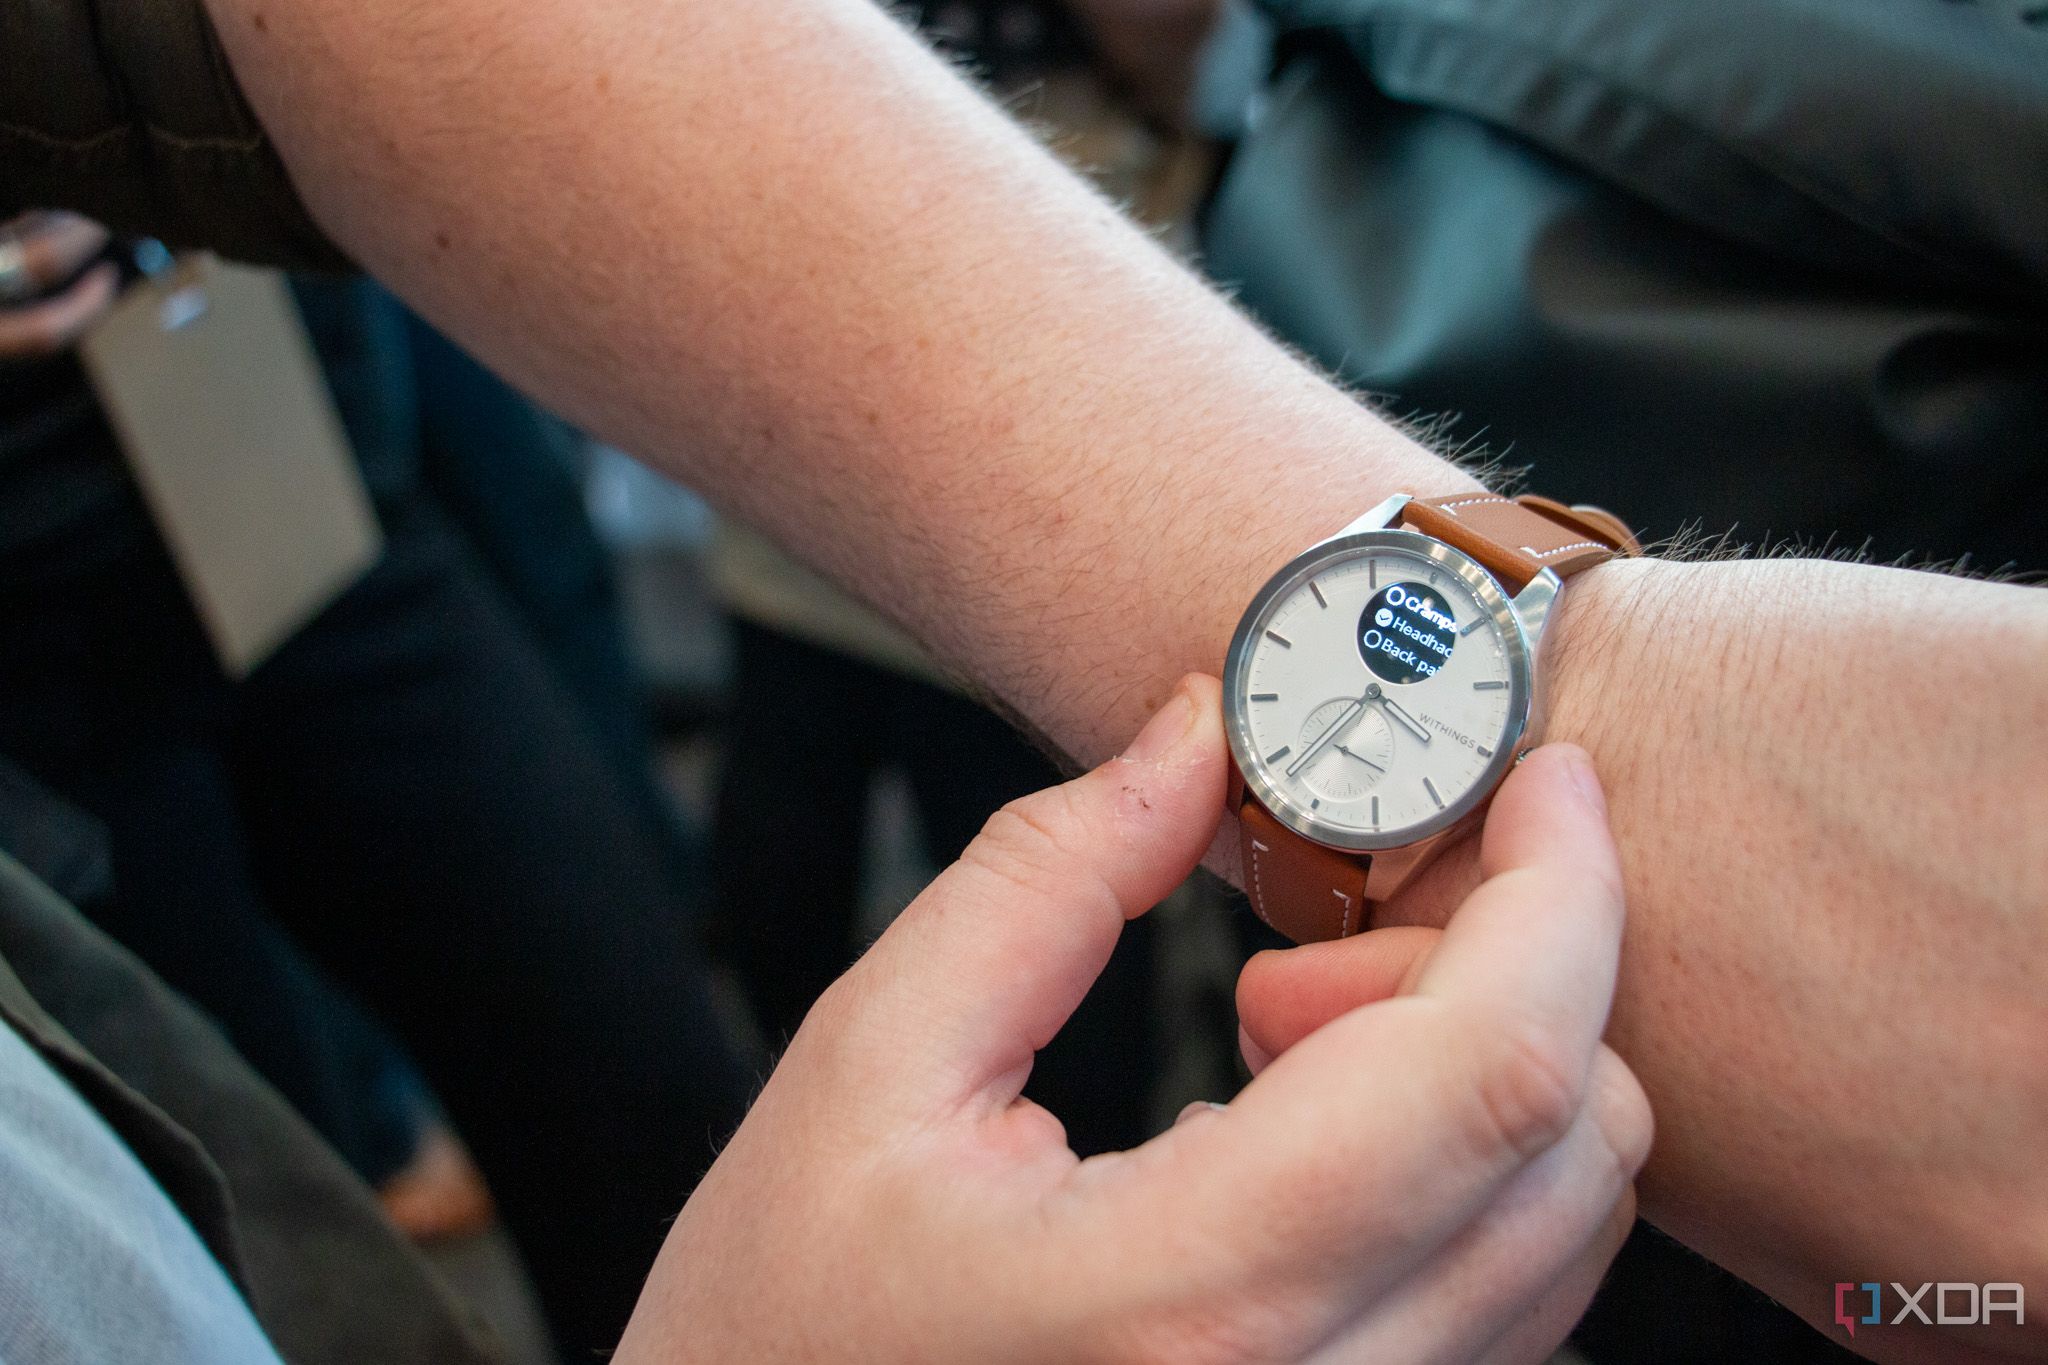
1607	652
1603	657
1240	503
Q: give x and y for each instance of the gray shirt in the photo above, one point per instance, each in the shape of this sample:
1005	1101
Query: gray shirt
189	1180
96	1264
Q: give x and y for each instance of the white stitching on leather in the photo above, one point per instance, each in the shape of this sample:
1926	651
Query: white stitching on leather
1565	549
1452	507
1344	927
1258	896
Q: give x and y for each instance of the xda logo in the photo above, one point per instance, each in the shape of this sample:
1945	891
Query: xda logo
1943	1304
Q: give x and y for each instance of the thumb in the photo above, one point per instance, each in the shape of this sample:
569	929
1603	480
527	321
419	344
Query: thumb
984	967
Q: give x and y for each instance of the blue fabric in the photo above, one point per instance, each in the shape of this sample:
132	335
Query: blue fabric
96	1264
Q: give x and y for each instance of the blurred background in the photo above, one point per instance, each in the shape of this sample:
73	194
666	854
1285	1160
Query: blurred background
492	865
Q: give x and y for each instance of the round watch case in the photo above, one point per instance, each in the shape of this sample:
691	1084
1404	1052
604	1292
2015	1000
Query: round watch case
1521	688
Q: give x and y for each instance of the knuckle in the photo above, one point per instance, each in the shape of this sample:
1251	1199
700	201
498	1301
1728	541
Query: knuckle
837	1009
836	1032
1029	845
1528	1094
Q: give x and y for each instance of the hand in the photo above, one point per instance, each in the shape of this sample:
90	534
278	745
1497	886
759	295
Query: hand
1330	733
1398	712
46	249
1435	1166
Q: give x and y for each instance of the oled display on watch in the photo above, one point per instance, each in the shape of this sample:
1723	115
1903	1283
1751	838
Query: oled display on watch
1406	632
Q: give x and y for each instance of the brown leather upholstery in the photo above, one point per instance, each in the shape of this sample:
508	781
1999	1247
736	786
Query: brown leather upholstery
1309	892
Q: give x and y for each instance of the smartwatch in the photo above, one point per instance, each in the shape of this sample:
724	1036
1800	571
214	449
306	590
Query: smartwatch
1381	685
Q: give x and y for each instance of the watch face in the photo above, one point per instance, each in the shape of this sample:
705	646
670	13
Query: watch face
1376	689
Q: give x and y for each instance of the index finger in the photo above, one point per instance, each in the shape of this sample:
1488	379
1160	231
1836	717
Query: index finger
54	324
55	244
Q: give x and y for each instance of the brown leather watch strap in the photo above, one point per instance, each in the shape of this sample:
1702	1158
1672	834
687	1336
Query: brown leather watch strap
1518	538
1310	892
1304	890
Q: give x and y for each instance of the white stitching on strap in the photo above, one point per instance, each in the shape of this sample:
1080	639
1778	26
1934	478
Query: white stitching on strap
1452	507
1258	896
1565	549
1344	927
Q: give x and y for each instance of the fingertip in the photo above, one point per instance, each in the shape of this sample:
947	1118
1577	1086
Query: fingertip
1169	782
1285	994
1584	776
1206	689
1256	1058
1206	695
1550	768
1255	970
1186	726
1204	745
1259	980
1551	808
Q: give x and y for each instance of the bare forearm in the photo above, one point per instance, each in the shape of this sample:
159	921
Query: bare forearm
784	254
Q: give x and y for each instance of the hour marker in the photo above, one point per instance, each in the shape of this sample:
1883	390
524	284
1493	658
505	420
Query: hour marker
1280	753
1281	640
1321	600
1471	625
1372	573
1491	685
1316	804
1485	752
1430	787
1265	696
1375	810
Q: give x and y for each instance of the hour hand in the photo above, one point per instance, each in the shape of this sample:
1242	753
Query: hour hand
1395	710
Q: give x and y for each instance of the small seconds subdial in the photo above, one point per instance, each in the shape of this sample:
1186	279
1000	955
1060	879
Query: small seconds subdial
1351	761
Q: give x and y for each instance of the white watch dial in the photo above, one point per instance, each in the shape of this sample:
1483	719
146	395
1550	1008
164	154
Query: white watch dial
1375	692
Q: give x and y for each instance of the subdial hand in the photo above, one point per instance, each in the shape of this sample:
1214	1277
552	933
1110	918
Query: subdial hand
1335	728
1348	753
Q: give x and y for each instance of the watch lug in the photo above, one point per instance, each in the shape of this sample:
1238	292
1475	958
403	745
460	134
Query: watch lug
1379	518
1533	604
1393	869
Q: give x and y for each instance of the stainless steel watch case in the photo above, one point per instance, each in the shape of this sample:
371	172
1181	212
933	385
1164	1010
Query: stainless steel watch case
1522	620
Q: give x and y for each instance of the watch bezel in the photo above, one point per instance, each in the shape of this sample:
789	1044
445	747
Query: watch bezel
1492	598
